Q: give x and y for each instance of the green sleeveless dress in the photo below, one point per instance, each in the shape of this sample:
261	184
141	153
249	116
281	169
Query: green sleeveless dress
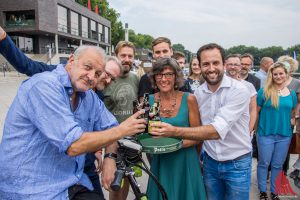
178	172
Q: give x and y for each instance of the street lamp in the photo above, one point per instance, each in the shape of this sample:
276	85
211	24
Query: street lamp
126	32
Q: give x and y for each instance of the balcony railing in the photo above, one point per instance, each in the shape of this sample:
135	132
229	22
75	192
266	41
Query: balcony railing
18	23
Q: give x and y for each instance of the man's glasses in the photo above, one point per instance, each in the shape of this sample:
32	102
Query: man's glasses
166	75
233	65
245	64
112	78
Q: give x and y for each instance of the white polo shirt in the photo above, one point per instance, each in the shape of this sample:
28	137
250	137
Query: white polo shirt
227	110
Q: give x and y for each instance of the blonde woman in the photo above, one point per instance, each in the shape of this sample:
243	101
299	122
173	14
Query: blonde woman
276	104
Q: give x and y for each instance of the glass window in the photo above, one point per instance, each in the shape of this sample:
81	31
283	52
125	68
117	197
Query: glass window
62	19
23	43
20	18
94	30
100	33
84	27
74	23
106	34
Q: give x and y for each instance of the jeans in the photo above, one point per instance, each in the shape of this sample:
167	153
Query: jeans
227	180
271	149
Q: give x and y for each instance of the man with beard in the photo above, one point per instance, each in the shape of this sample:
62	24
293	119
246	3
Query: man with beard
233	68
224	109
246	64
119	97
25	65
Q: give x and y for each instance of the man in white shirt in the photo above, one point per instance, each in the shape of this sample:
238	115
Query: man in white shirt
233	67
224	108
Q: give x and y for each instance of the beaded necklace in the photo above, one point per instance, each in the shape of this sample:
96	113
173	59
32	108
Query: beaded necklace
167	111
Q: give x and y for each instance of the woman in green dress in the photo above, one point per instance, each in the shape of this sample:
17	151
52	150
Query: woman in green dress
178	172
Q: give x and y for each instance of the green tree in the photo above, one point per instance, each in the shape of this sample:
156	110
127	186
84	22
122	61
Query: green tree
140	40
178	47
241	49
273	52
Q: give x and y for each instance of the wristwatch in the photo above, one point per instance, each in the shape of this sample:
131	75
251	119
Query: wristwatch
111	155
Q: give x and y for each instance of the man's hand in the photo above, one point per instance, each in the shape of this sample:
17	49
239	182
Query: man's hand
108	173
98	155
133	125
2	33
162	129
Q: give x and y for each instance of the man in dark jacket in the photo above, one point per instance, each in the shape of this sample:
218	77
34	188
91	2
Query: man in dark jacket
247	63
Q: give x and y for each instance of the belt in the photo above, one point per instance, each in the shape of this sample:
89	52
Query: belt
235	159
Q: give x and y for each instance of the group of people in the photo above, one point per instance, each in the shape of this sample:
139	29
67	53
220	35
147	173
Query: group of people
61	119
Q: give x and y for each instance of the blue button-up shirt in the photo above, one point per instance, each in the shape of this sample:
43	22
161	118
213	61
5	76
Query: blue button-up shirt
39	128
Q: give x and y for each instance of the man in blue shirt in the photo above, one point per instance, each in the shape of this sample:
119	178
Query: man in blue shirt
24	65
49	128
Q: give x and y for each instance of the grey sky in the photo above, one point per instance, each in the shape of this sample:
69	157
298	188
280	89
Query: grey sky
259	23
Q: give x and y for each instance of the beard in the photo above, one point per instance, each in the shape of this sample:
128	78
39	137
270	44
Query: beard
231	73
243	72
126	67
214	81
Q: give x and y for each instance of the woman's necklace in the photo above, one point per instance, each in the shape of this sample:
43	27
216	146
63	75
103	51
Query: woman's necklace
164	109
279	91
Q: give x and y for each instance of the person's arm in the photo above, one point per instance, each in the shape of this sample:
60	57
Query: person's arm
48	110
206	132
226	116
253	113
18	59
260	100
295	106
109	167
93	141
194	118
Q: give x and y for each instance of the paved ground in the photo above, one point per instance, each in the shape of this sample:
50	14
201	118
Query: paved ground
9	85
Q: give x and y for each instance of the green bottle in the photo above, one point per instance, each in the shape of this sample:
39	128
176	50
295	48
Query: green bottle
153	115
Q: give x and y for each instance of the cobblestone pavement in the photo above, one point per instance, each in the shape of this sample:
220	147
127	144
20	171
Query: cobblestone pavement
8	88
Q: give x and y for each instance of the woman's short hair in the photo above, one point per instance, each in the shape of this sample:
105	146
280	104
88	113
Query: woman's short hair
164	63
290	63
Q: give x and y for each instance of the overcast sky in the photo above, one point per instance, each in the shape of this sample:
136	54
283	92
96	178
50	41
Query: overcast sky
259	23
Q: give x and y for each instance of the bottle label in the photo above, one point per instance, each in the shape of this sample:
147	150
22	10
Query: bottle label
150	122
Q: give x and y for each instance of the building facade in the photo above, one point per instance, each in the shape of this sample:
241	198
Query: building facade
59	25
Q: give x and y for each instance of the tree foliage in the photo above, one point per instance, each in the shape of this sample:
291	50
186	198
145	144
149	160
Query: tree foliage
140	40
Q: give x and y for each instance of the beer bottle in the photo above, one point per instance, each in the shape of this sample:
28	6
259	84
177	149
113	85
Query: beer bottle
146	107
154	115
